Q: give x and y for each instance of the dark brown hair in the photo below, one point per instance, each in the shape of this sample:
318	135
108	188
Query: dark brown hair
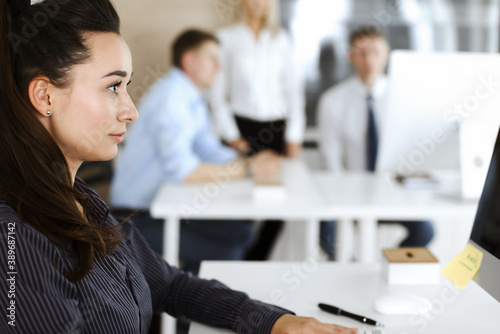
189	40
366	31
47	39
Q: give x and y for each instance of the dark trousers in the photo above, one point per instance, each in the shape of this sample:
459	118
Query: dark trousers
420	233
200	239
263	136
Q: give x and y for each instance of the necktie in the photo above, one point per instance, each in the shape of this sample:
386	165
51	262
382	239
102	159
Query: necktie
372	136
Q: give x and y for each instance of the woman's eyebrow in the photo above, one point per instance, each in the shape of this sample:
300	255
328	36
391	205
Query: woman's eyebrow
122	74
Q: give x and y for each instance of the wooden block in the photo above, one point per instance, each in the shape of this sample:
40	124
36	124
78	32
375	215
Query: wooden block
410	266
409	255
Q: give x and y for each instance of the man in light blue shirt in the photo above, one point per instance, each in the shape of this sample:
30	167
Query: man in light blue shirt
170	140
173	141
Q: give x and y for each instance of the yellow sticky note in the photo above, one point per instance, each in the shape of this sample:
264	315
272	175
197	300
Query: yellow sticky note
461	270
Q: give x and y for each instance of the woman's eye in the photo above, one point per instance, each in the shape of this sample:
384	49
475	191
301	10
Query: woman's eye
114	88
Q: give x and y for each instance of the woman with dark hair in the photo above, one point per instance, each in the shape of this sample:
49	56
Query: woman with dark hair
67	265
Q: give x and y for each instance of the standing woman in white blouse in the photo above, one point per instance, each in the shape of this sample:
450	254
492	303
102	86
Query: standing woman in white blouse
257	100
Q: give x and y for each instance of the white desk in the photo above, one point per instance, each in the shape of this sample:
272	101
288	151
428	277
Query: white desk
234	201
311	197
353	287
368	198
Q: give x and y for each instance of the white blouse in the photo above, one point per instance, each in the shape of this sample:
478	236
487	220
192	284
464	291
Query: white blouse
258	81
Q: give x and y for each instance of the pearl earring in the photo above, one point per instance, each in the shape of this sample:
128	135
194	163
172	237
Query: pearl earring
49	112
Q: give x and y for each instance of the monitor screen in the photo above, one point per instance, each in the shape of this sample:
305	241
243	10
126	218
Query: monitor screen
485	233
419	126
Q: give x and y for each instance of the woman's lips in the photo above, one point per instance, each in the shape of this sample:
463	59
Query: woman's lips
118	137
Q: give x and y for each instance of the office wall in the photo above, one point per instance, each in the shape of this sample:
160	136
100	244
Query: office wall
150	26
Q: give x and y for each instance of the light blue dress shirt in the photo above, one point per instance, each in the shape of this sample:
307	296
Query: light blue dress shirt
171	138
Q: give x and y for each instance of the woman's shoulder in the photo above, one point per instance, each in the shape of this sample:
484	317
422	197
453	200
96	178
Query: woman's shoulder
11	222
28	240
13	227
7	214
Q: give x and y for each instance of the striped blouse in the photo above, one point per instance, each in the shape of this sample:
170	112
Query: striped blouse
120	294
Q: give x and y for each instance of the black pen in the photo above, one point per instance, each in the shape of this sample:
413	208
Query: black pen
338	311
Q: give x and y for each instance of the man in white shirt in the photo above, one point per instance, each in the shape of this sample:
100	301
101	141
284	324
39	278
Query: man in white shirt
350	117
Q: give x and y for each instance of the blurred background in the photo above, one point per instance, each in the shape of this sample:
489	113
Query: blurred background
320	30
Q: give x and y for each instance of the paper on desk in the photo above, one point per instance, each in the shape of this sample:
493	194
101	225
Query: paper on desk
463	267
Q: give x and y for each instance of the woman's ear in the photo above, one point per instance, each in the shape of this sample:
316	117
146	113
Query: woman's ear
39	95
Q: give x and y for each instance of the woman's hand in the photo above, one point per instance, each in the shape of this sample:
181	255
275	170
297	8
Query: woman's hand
266	165
291	324
293	150
240	145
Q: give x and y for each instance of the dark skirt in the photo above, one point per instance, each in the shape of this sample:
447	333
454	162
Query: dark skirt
262	136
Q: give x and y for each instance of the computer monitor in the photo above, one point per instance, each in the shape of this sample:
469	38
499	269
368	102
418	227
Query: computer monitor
430	96
485	233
